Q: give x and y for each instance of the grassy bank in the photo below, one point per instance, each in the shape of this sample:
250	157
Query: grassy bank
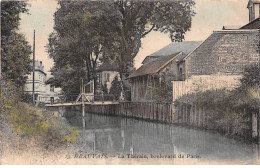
32	122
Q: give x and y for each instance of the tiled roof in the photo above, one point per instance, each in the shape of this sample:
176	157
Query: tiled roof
155	66
108	67
186	47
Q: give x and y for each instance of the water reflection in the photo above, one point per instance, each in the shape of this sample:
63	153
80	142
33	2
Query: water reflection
113	134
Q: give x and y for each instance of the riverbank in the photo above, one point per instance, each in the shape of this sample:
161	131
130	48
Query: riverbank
31	135
145	134
235	122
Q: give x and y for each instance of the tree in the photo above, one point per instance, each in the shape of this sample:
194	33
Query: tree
15	50
16	59
115	88
10	18
88	31
139	18
83	32
251	75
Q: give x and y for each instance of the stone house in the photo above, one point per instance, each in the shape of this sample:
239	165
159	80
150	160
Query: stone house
106	73
44	93
219	61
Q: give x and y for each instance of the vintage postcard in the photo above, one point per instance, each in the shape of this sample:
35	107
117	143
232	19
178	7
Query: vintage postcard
130	82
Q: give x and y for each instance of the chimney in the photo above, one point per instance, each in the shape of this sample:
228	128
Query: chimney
251	8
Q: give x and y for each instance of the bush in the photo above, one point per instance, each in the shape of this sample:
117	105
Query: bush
31	122
230	108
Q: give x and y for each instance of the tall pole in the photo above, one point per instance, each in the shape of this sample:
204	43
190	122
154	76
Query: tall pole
259	84
33	94
82	98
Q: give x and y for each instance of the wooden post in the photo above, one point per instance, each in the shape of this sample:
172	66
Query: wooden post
84	124
33	69
191	114
196	116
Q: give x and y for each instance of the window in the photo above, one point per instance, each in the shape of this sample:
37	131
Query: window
52	88
98	78
108	77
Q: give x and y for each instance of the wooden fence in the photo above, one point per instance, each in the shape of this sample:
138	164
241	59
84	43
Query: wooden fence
183	114
163	112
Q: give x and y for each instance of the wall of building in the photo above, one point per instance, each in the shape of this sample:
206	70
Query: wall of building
202	83
106	77
142	86
224	52
39	84
43	91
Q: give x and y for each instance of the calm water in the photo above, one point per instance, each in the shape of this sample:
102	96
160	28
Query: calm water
113	135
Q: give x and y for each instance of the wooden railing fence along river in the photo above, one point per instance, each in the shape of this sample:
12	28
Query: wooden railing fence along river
180	114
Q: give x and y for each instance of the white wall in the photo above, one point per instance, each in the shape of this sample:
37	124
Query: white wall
44	92
204	82
112	75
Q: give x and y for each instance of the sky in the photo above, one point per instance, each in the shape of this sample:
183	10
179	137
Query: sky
211	15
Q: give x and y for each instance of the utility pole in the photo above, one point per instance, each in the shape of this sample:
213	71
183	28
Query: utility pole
33	94
259	83
82	98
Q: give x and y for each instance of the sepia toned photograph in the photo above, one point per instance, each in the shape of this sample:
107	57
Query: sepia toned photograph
130	82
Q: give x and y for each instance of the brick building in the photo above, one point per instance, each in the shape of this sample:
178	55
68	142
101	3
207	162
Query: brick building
224	52
220	59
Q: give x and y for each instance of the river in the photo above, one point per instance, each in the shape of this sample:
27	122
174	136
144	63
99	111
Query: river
119	135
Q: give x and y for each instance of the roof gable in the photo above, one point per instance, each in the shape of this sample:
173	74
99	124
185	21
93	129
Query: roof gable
207	45
155	66
185	47
254	24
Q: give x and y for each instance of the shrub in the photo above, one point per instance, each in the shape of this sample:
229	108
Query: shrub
31	122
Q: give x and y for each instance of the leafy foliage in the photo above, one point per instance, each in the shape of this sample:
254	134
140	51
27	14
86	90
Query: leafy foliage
251	75
16	59
30	122
163	92
232	108
10	11
115	88
15	53
90	31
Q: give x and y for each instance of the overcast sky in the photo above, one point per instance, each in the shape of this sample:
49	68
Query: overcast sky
210	15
